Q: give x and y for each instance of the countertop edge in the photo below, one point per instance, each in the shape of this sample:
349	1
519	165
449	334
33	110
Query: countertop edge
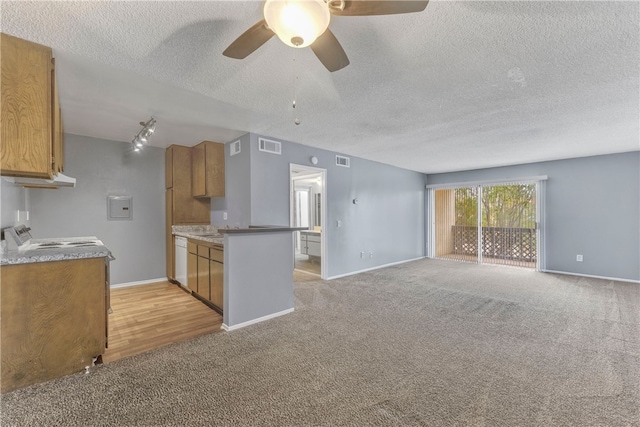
260	229
31	258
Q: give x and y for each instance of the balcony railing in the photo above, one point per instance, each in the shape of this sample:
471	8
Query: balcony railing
515	244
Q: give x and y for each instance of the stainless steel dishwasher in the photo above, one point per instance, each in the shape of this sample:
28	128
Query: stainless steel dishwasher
181	260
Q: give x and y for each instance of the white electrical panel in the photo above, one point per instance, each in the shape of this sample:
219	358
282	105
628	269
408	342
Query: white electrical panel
119	208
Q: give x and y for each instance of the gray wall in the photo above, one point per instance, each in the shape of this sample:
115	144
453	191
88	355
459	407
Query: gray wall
104	168
257	276
592	208
237	200
12	198
388	220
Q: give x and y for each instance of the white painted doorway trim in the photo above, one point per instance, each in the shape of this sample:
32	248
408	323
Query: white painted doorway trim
324	265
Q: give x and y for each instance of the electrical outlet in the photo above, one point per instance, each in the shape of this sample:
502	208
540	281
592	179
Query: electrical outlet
579	258
361	254
224	216
338	224
370	254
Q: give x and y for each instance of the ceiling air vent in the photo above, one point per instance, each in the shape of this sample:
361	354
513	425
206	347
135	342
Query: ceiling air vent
269	146
343	161
235	148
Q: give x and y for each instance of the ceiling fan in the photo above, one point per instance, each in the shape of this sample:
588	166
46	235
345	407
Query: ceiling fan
301	23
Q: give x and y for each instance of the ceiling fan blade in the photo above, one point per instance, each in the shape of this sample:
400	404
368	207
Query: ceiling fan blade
329	51
249	41
374	7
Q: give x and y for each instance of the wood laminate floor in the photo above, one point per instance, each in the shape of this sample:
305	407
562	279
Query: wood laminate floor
150	316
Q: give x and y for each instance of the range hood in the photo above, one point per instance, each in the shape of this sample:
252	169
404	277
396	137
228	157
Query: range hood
59	180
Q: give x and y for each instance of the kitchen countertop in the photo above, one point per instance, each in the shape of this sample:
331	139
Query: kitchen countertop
212	234
217	239
206	233
260	229
53	254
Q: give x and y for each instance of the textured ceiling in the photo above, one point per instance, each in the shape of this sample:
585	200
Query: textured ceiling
462	85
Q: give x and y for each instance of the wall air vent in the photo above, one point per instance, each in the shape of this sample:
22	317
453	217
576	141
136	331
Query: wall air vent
343	161
268	146
234	148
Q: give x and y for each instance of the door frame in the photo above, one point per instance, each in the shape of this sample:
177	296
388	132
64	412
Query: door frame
324	263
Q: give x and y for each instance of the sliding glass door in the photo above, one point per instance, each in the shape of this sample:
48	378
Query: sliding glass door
509	225
456	219
491	224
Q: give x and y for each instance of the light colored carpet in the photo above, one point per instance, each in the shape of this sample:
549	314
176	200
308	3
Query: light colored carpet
428	343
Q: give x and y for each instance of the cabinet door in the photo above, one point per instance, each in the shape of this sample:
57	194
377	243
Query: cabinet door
207	169
26	108
192	272
203	277
169	235
313	248
214	169
53	319
168	167
216	283
198	178
313	244
186	209
56	122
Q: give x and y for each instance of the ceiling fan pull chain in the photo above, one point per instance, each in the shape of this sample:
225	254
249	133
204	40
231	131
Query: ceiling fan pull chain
295	88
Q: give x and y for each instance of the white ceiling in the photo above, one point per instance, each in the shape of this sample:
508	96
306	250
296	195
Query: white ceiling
462	85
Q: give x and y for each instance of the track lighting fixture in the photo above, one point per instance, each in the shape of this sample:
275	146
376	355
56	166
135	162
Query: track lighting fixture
142	137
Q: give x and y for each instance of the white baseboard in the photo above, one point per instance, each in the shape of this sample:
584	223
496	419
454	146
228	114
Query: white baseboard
141	282
616	279
258	320
375	268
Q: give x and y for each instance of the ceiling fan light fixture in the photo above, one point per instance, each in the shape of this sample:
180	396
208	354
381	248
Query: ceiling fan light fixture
298	23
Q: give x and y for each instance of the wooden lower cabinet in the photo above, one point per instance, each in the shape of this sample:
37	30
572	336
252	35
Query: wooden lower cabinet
216	284
205	272
53	319
203	278
192	267
170	238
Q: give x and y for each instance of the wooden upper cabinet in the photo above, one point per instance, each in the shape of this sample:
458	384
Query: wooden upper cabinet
30	121
168	167
56	122
185	208
207	173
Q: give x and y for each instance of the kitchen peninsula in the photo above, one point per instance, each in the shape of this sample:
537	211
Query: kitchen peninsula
257	275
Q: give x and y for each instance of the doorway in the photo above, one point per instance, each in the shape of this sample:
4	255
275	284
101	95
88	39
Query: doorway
308	207
488	224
